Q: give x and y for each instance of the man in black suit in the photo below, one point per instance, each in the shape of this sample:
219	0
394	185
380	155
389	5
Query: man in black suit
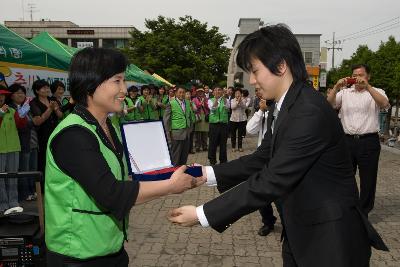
302	164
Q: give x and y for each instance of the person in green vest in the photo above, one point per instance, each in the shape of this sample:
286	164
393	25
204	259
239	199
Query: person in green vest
188	97
147	104
88	194
162	101
177	123
131	103
9	154
218	123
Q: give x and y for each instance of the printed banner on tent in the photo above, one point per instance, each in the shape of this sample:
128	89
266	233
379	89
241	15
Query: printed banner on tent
27	74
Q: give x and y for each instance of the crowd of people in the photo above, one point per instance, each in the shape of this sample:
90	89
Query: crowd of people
306	159
196	119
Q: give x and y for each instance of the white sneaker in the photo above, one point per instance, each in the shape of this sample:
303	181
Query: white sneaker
13	210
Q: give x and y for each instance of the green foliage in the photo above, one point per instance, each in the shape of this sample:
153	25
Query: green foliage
384	63
180	50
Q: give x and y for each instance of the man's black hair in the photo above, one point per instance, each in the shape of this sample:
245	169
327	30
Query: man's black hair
273	45
358	66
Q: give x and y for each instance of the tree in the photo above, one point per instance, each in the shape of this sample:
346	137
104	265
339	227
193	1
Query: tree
181	50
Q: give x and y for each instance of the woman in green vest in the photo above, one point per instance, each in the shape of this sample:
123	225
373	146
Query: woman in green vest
148	104
162	101
9	154
88	194
132	110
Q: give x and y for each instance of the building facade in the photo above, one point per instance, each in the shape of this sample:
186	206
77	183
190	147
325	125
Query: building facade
74	35
309	44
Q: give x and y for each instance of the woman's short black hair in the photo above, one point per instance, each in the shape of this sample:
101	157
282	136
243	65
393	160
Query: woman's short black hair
90	67
272	45
143	88
16	87
245	92
55	85
39	84
237	89
132	89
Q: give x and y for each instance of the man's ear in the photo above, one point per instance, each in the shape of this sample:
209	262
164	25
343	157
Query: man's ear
282	67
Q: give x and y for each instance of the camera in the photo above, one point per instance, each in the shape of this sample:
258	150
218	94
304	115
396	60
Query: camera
350	81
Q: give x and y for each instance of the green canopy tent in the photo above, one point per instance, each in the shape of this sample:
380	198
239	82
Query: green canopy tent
23	62
134	73
16	49
47	42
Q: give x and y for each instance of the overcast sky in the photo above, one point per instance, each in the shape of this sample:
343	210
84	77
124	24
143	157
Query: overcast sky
344	17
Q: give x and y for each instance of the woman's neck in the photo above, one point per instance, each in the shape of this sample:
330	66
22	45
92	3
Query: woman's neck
100	116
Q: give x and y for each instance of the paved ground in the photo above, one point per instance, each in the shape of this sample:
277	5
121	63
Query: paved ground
156	242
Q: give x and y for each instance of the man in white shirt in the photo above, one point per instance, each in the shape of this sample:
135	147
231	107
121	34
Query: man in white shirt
258	125
359	106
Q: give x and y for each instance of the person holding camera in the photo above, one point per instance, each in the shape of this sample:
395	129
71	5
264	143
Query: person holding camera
359	104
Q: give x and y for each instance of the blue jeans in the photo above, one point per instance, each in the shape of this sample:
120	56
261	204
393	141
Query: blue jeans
27	162
9	162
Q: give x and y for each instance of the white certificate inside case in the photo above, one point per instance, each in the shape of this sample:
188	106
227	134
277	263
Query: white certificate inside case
146	146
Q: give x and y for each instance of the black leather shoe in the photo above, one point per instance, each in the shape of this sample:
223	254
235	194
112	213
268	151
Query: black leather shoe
265	230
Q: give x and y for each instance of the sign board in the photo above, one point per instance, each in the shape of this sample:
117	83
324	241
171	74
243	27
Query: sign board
322	79
315	82
77	32
84	44
27	74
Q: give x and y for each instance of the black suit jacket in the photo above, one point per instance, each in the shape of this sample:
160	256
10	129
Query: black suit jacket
304	166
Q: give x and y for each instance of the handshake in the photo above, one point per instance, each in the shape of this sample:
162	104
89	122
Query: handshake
180	182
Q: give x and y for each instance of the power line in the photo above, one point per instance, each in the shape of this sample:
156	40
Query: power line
389	27
369	28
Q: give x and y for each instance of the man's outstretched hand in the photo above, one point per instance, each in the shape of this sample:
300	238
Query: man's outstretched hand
184	216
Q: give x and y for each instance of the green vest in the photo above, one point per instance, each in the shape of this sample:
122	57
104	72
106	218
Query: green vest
76	225
148	112
133	115
219	115
9	139
179	118
164	101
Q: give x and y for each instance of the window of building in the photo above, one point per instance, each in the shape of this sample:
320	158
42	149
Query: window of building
308	59
114	43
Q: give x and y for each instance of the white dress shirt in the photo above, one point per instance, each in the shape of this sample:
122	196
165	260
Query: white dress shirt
255	124
359	112
212	180
210	103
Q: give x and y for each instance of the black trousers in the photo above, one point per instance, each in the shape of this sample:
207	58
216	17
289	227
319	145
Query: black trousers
240	128
364	152
119	259
218	135
180	151
267	215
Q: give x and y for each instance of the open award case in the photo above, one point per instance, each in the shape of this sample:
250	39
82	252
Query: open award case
147	152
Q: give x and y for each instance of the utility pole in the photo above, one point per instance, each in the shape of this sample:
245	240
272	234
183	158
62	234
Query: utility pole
333	48
32	9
